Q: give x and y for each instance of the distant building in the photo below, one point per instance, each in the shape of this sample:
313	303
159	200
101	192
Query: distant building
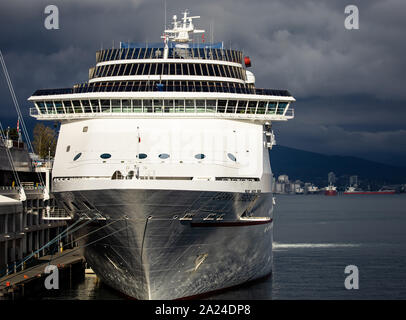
284	186
24	228
283	178
331	178
353	180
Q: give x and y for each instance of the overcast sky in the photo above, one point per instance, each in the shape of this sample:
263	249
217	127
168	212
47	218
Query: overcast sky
350	85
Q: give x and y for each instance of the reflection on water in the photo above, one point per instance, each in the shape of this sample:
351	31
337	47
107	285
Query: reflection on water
316	237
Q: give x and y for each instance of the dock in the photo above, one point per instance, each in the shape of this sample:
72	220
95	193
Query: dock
70	263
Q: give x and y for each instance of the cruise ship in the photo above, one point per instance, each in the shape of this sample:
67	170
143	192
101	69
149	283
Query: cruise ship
164	156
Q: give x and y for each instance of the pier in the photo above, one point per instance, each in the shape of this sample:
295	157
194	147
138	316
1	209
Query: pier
26	283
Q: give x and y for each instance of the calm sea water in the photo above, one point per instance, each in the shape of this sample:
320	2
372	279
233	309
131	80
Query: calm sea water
315	238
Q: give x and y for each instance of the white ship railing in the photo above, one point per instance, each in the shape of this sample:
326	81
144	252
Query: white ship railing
288	114
56	214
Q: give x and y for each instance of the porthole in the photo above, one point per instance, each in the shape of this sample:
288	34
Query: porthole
85	129
200	156
67	148
231	157
142	156
105	156
77	156
164	156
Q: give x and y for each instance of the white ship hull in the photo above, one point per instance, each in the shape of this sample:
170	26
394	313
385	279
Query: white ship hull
165	257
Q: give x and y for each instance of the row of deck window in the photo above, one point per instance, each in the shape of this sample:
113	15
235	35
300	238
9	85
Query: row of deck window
228	86
169	86
179	69
173	53
163	156
161	106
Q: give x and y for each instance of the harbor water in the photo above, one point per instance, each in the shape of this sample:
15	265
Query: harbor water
315	238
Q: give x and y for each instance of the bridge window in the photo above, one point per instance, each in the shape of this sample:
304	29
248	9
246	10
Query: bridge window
271	108
261	107
200	105
168	105
158	105
231	106
68	106
126	105
67	148
211	106
142	156
190	105
221	107
137	105
77	106
59	107
86	106
252	105
242	105
179	105
281	107
95	105
115	106
147	105
105	105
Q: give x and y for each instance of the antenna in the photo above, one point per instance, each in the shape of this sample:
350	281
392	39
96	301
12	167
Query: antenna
20	116
212	31
181	29
165	13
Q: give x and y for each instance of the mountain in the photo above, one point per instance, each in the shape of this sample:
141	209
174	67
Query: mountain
314	167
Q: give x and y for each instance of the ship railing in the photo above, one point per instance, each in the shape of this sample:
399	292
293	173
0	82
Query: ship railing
56	214
201	51
242	116
88	88
290	113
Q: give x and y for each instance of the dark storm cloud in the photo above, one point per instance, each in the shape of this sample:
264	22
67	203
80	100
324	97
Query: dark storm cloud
349	84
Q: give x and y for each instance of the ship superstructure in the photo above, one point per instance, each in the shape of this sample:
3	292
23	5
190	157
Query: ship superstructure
166	149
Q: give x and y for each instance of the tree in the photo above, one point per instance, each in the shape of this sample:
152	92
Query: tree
44	140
